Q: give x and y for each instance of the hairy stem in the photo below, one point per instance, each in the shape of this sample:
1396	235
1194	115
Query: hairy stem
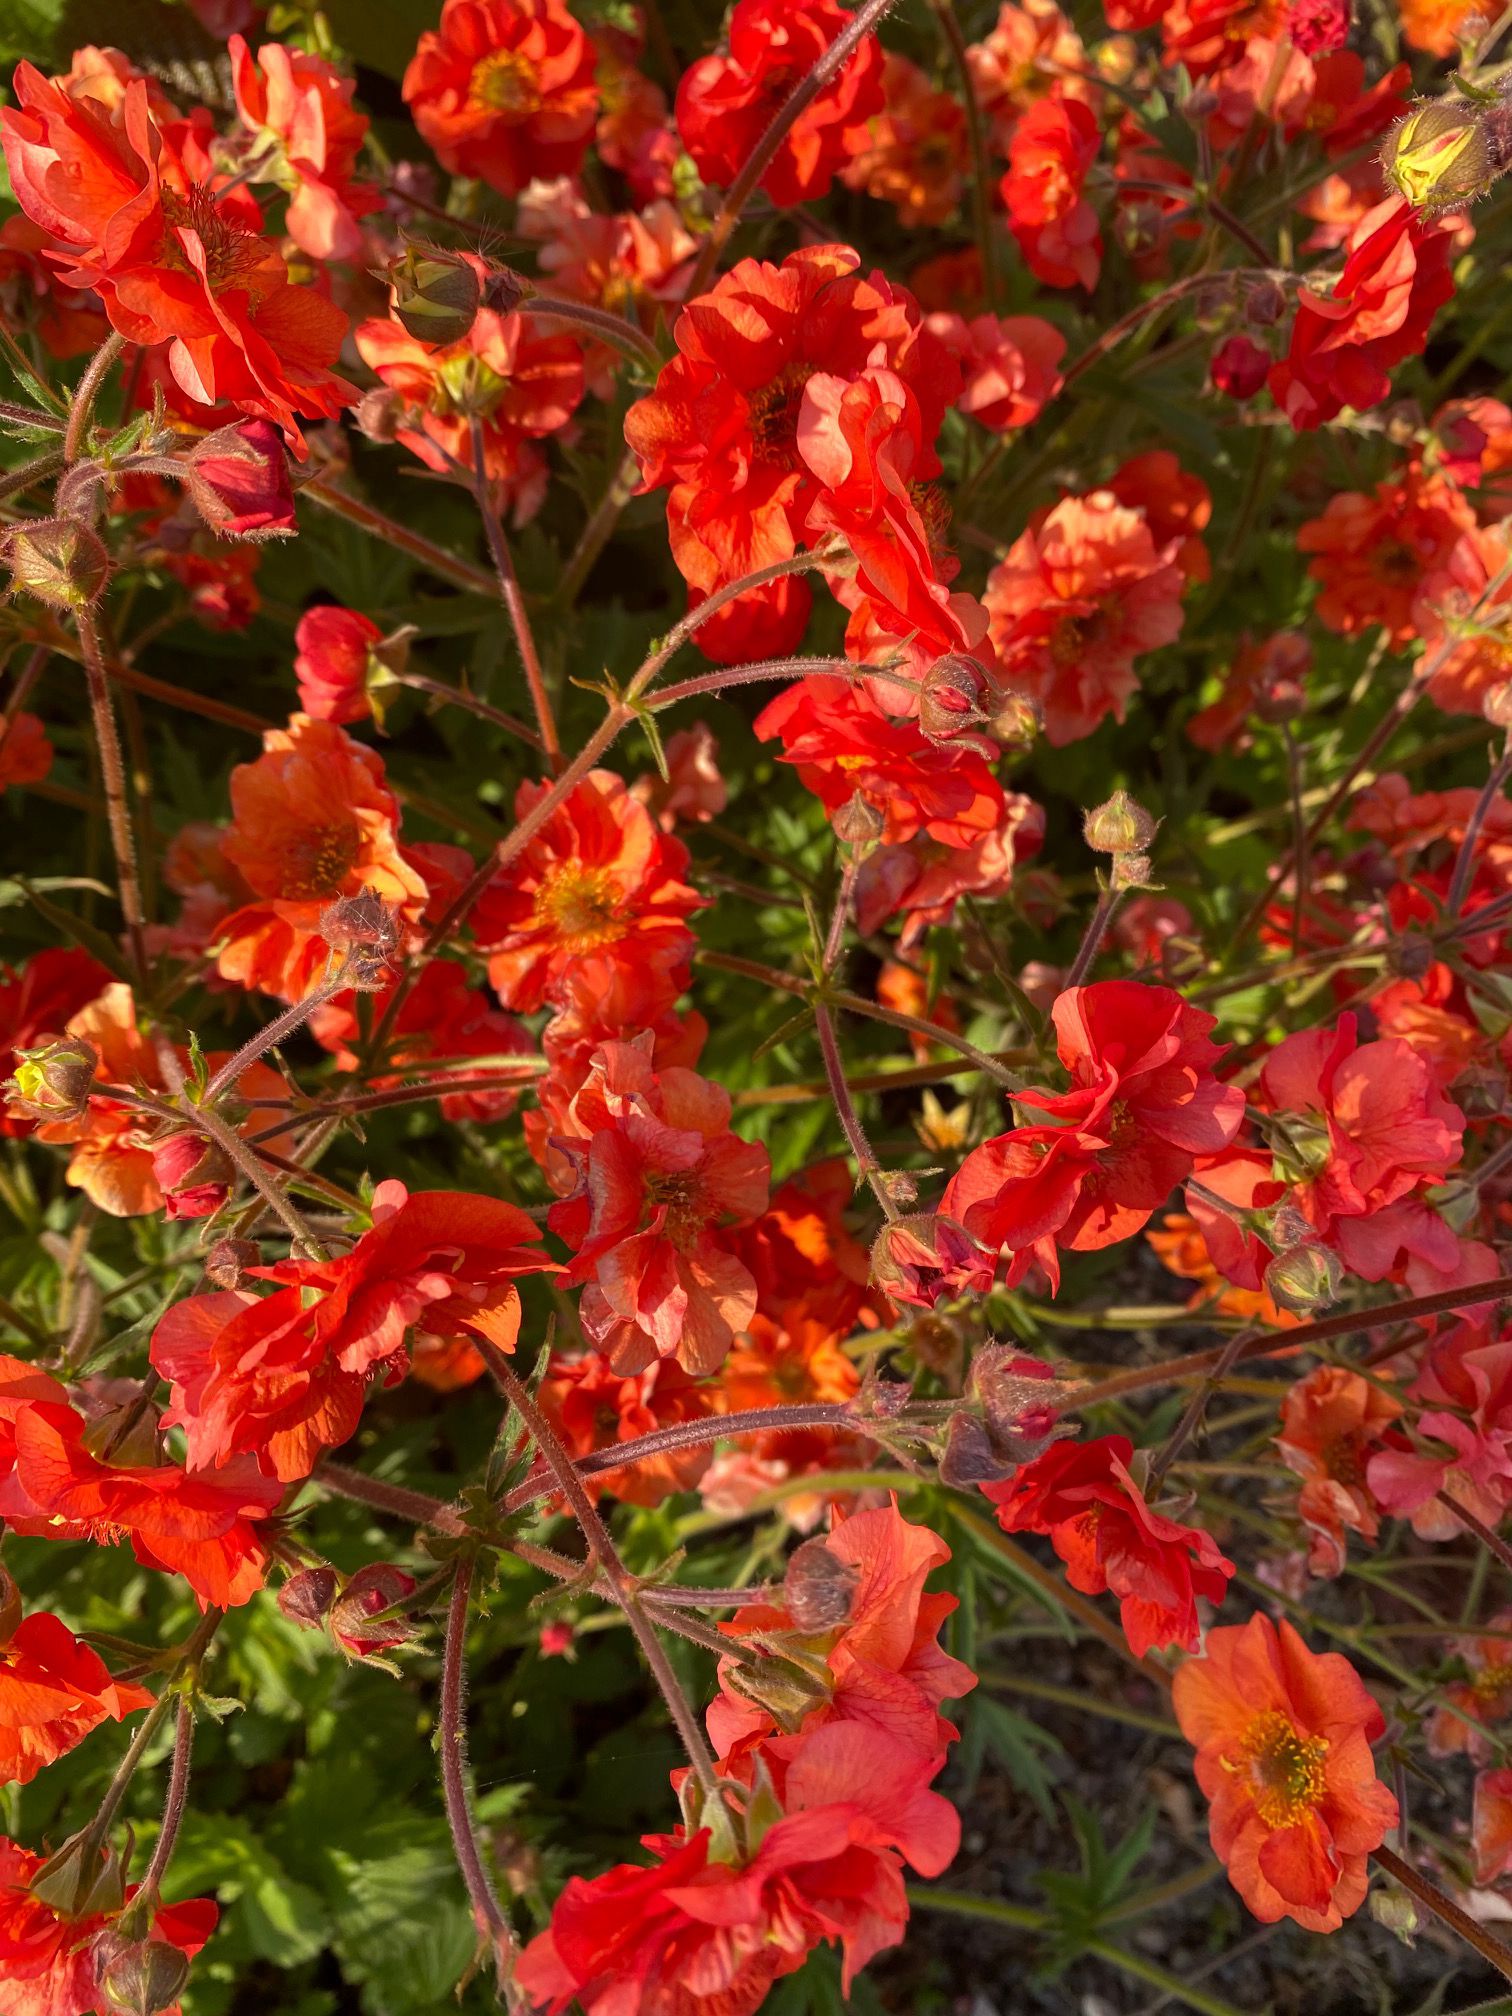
514	601
1489	1947
87	391
488	1912
174	1805
113	783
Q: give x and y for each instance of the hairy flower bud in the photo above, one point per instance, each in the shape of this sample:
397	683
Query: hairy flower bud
59	560
1496	705
858	823
307	1596
238	481
1304	1279
436	294
380	414
366	932
142	1978
52	1080
1014	721
193	1174
1132	871
1447	152
819	1587
227	1262
952	696
377	1587
1119	826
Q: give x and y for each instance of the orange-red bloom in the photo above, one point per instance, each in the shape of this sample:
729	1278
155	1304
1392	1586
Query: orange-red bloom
308	137
660	1180
26	755
1082	1495
40	999
726	102
591	1407
1283	1740
1372	553
915	153
504	90
334	648
54	1689
1332	1422
1049	157
1461	619
599	891
1032	52
442	1016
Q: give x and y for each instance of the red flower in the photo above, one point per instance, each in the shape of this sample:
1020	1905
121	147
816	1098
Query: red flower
841	742
1331	1423
238	478
916	152
924	879
1373	552
282	1377
521	381
1464	1398
691	1936
1472	651
1012	367
47	1962
53	1691
335	649
1052	149
599	890
40	999
140	224
1240	367
721	427
1491	1825
300	107
1459	1723
591	1407
26	755
1080	595
203	1528
725	103
1363	1130
1343	344
1283	1741
1082	1495
503	90
805	1260
660	1177
1033	52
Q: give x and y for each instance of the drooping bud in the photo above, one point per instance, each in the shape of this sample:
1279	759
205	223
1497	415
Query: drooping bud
818	1587
59	560
193	1174
52	1080
1264	304
436	294
1304	1279
858	823
504	290
380	414
1391	1907
379	1586
1119	826
366	931
1240	367
307	1596
952	698
1447	152
227	1262
142	1978
1010	1412
238	479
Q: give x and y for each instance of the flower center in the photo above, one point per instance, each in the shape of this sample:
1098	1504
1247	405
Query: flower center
580	906
772	414
1344	1460
1074	636
680	1194
1492	1681
506	82
1394	561
232	254
318	860
1285	1769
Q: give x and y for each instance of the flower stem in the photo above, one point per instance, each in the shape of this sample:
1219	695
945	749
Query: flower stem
870	1168
1107	903
447	566
453	696
488	1913
1489	1947
272	1033
1464	861
113	782
174	1806
981	173
514	601
87	391
599	323
1493	1542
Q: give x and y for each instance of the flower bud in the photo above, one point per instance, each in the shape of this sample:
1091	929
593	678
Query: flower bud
1014	721
1304	1279
1132	871
951	700
143	1978
819	1587
1120	826
436	294
1496	705
59	560
504	290
1265	304
1391	1907
307	1596
193	1174
556	1640
52	1080
124	1435
858	823
1446	152
238	480
380	414
227	1262
377	1587
80	1878
1240	367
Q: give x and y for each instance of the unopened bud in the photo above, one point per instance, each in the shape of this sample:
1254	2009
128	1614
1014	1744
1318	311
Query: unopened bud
238	479
818	1587
377	1587
1496	705
193	1174
307	1596
504	290
52	1080
1391	1907
1132	871
59	560
1446	152
1119	826
1411	955
227	1262
952	697
1304	1279
124	1436
858	823
380	414
1014	721
436	294
365	932
1264	304
144	1978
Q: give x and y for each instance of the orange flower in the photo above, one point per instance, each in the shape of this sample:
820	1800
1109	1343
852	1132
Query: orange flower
53	1691
504	90
1491	1826
1032	53
112	1158
312	820
592	1407
777	1363
1283	1740
1483	657
1331	1423
1373	552
600	886
914	153
300	107
522	384
1080	595
1434	25
1458	1724
25	753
